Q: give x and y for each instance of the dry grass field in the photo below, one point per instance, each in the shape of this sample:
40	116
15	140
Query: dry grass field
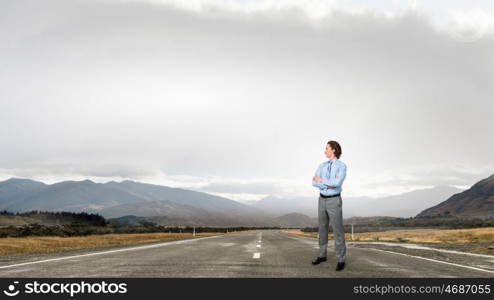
46	244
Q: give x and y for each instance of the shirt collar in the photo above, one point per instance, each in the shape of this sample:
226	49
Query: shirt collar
332	160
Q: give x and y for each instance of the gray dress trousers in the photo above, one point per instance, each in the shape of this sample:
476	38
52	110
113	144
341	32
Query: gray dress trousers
330	212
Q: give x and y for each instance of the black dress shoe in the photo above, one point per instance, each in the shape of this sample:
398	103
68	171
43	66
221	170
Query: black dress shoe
340	266
318	260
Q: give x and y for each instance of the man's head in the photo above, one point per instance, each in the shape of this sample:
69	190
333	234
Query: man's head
333	150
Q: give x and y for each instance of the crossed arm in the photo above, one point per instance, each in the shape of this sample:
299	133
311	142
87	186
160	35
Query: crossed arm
324	183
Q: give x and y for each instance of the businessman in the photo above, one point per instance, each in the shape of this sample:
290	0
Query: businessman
328	179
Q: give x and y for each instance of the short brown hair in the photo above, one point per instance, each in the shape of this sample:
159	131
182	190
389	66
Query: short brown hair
336	147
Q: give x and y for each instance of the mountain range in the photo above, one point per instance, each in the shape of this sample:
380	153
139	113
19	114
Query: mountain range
402	205
164	205
116	199
477	201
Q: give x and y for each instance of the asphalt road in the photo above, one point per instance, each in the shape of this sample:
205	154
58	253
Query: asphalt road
242	254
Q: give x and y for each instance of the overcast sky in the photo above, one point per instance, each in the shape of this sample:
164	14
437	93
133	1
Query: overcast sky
238	98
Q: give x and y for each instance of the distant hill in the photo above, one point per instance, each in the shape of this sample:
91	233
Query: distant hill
16	190
130	220
477	201
50	218
168	213
292	220
277	206
369	220
150	208
116	199
402	205
208	202
75	196
295	220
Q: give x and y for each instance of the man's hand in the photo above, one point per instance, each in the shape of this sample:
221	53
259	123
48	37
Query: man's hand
317	178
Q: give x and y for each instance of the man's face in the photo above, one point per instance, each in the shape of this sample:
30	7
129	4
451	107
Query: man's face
329	151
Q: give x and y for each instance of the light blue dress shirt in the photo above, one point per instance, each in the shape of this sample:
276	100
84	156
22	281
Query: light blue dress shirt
333	173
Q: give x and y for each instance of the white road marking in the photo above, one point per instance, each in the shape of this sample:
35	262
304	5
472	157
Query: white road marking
110	251
311	241
258	254
415	246
434	260
407	245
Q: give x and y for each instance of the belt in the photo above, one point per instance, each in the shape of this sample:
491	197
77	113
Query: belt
324	196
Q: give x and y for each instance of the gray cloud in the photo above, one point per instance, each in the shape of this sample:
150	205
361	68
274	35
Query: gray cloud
253	187
124	89
433	176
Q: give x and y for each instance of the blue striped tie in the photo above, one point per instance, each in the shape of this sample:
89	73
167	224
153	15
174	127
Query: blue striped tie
329	169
